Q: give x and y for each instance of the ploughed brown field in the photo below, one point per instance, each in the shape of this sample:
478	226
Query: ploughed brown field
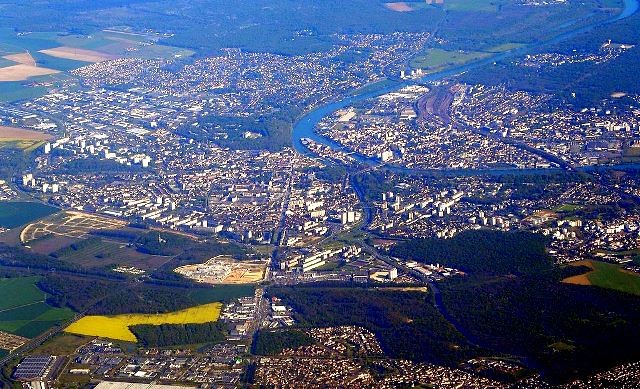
582	279
13	133
77	54
21	58
22	72
399	6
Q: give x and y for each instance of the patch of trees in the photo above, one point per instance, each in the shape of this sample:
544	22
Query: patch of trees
76	293
331	173
149	297
273	342
274	131
601	211
160	243
564	331
203	251
373	184
571	271
406	323
166	335
129	236
12	162
18	257
537	179
143	298
113	296
481	252
77	246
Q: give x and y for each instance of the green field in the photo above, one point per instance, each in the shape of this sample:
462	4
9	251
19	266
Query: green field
23	310
119	45
15	214
25	145
504	47
472	5
93	42
16	292
437	59
18	90
606	275
569	208
62	64
5	62
11	43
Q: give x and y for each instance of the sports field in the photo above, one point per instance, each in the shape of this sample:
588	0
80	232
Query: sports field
23	310
117	327
607	275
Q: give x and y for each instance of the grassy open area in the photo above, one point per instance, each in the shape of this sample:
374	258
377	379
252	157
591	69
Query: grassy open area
568	208
22	144
99	253
504	47
437	59
606	275
61	344
472	5
23	310
21	138
14	214
117	327
16	292
17	90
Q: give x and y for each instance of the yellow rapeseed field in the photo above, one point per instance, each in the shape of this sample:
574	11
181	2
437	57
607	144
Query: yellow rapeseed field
117	327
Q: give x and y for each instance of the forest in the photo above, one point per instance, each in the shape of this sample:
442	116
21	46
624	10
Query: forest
166	335
481	252
557	328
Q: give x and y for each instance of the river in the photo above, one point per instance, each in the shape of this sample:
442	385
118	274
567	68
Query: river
304	128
